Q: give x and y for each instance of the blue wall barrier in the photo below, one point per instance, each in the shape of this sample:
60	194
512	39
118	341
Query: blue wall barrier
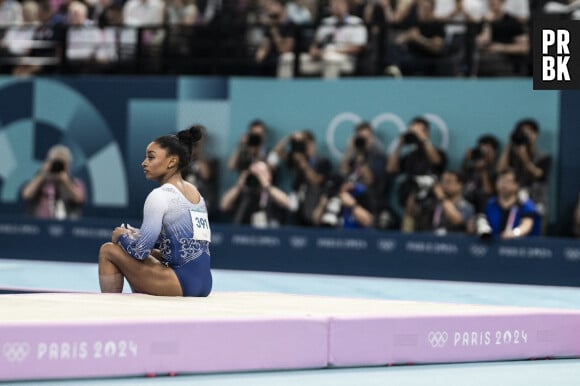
544	261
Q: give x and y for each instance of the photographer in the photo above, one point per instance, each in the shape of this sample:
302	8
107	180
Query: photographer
251	147
343	204
419	167
479	169
532	167
254	201
452	212
53	193
507	214
364	161
310	171
278	42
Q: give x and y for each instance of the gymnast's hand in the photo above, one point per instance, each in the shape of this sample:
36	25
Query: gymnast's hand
118	232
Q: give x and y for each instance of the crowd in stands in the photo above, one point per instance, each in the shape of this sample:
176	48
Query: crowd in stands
328	38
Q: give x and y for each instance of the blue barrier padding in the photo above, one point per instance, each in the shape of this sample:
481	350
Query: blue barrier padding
544	261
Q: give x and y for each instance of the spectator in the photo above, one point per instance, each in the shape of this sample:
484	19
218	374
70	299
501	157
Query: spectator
343	204
419	167
181	12
452	212
393	11
202	172
532	167
277	43
46	56
17	40
502	44
300	11
310	172
508	216
10	13
459	10
479	168
84	40
145	17
254	201
419	48
339	41
364	162
53	193
139	13
251	147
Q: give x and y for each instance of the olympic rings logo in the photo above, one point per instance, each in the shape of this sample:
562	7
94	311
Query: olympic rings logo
438	339
15	351
384	118
478	250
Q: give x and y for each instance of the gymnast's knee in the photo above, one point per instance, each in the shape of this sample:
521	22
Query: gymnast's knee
106	250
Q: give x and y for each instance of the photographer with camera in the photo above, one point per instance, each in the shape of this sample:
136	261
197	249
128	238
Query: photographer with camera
277	43
53	193
343	204
310	171
251	147
254	201
364	162
452	212
420	167
531	166
508	215
479	170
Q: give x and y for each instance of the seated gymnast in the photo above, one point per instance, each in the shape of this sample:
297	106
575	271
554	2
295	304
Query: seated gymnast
169	255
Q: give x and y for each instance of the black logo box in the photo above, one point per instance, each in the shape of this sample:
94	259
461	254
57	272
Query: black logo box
573	65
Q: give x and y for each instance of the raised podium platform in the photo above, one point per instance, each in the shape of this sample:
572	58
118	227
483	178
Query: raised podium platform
77	335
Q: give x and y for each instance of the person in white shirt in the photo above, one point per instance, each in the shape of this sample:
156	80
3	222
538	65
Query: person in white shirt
339	39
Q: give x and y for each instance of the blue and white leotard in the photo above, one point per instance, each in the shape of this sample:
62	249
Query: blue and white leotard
181	231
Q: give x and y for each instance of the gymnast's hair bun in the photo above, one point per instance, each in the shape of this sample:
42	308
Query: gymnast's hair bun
191	136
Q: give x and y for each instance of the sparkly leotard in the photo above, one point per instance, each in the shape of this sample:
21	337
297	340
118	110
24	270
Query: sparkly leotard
180	230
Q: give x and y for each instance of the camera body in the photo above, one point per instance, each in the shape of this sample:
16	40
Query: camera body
331	215
482	227
360	143
519	138
57	166
254	140
410	139
297	146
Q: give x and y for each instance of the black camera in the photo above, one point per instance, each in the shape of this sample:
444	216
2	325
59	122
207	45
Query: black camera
252	182
410	139
298	146
57	166
360	143
331	215
333	185
519	138
476	154
254	140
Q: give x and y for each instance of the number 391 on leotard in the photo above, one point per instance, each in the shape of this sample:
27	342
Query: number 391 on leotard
201	230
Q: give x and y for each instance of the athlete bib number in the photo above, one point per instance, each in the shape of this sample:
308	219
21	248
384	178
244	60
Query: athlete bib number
200	223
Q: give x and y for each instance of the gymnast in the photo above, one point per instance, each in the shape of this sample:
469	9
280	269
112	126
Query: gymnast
169	255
